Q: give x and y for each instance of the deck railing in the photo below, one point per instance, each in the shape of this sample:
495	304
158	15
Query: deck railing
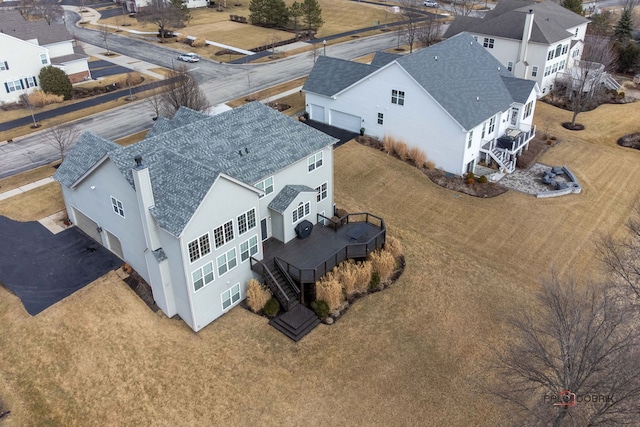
351	250
272	283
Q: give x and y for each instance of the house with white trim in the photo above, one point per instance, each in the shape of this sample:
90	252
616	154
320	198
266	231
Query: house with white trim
452	100
27	46
190	206
534	40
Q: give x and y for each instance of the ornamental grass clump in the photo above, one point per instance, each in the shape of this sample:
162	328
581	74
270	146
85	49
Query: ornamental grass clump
363	276
257	295
402	150
182	37
394	246
382	263
417	156
329	290
39	99
388	144
199	42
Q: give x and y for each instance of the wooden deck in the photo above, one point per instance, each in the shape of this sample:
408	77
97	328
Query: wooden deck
309	259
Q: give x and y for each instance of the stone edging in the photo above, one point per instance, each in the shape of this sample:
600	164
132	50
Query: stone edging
573	187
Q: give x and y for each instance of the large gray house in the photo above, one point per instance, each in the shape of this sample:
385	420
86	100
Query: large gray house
190	206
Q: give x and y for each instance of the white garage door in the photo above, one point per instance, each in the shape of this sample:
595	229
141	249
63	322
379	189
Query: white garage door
317	113
345	121
87	225
114	244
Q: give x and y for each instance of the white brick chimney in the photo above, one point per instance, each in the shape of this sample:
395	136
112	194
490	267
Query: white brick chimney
144	194
522	66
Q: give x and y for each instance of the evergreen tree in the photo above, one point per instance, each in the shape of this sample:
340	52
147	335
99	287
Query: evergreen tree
295	13
628	54
573	5
312	14
276	13
256	9
54	80
624	29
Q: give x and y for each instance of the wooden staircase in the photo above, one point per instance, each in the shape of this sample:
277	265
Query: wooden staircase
297	320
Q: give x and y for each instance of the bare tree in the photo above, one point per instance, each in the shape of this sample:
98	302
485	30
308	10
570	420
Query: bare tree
622	257
582	83
573	360
429	33
154	100
164	14
411	15
26	7
182	90
105	35
62	136
464	7
48	10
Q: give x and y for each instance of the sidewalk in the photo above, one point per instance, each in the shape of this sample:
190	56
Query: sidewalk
25	188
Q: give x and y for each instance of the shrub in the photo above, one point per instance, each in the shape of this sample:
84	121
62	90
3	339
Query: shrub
363	276
388	144
199	42
402	150
417	156
553	138
54	80
257	295
182	37
429	165
470	175
393	246
375	281
39	99
130	79
320	308
382	263
483	179
470	181
272	307
328	289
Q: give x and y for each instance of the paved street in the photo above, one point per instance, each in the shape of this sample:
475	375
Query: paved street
220	82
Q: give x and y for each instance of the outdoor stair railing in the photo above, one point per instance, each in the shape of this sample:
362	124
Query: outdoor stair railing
280	265
273	285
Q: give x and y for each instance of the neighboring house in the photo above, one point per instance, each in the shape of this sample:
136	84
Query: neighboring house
135	5
26	47
535	41
191	213
453	100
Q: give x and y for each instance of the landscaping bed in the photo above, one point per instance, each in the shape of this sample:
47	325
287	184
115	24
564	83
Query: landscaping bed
631	140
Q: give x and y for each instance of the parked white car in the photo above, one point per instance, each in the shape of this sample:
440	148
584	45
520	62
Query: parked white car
189	57
430	3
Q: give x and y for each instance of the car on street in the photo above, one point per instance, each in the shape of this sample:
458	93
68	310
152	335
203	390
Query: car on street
430	3
189	57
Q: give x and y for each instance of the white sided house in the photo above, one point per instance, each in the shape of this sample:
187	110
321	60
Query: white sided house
534	40
190	206
453	100
27	46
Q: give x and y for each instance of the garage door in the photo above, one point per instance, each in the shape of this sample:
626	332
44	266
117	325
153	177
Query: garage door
345	121
87	225
114	245
317	113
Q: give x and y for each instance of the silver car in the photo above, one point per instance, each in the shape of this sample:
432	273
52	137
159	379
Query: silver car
189	57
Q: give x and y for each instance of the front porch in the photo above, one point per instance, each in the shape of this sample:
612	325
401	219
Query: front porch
505	149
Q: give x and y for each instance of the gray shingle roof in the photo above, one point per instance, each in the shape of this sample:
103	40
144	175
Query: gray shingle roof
88	150
13	24
520	89
331	75
550	23
380	59
185	161
462	77
287	195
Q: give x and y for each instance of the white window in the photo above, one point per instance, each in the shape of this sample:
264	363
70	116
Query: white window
199	247
488	43
31	81
248	248
226	262
510	66
322	192
576	35
555	68
301	211
380	118
475	38
266	186
534	71
547	70
12	86
527	109
550	55
561	66
223	234
117	206
484	128
43	59
565	48
202	276
492	124
470	140
314	162
246	221
397	97
558	50
4	66
231	296
576	53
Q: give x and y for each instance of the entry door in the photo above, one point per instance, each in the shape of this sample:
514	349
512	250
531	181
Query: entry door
514	116
263	229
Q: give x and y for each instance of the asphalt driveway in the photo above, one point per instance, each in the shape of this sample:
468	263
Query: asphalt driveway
42	268
102	68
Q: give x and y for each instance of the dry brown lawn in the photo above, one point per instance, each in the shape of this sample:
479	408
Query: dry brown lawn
266	93
34	204
24	178
410	355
